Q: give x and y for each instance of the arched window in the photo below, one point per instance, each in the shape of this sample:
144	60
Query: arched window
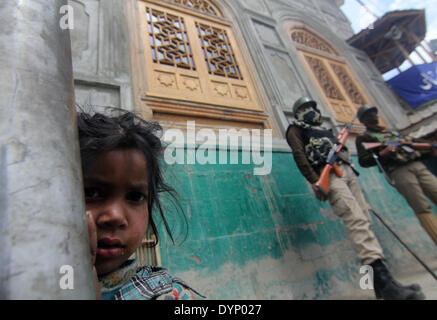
191	55
330	74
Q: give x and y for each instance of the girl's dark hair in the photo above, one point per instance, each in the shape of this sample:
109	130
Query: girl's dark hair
100	133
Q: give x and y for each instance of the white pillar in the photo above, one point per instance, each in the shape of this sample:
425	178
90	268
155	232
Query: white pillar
42	215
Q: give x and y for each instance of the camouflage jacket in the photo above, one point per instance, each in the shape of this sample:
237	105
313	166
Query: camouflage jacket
399	158
310	157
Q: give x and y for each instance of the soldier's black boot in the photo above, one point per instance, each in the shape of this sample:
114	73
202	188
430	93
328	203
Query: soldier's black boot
388	288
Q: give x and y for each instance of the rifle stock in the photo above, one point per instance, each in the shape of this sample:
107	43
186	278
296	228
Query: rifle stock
323	183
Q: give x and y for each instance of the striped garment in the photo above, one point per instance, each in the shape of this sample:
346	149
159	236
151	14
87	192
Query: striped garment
131	282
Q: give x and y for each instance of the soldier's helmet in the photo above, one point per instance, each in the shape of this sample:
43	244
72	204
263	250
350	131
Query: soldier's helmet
364	108
303	101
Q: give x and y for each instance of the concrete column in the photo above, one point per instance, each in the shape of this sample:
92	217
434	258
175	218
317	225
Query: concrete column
42	214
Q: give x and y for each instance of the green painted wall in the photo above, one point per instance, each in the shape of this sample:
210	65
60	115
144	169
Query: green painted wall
268	237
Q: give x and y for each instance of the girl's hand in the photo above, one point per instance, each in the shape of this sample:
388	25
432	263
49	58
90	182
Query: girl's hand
92	235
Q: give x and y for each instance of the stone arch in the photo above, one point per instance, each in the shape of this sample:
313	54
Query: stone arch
288	20
309	39
204	6
322	59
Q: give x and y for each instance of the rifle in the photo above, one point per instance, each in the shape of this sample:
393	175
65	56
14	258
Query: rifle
403	243
413	145
381	169
323	183
408	146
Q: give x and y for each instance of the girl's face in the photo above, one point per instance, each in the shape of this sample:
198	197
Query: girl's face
116	189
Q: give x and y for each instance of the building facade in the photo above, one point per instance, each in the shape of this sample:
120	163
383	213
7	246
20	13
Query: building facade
240	65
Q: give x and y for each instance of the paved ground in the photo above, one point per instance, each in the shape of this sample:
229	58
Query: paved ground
417	274
424	278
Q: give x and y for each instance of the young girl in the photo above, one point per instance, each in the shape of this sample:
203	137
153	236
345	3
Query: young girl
122	183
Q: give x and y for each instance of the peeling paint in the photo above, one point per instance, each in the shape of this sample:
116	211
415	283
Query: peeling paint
267	237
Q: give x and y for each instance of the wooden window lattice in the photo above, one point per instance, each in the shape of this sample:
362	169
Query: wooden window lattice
201	5
309	40
325	80
349	86
169	40
217	51
170	45
331	74
194	58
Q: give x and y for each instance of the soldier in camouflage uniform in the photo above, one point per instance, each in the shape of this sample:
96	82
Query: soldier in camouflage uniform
311	144
402	165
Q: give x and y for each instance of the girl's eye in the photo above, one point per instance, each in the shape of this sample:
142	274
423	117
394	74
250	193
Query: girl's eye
92	193
136	197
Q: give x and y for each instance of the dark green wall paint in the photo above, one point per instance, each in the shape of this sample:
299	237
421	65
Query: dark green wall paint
238	219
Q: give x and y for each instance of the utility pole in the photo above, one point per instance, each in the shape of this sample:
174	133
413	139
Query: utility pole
44	250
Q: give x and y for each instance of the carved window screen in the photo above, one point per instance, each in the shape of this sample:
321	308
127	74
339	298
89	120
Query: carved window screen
201	5
217	51
191	57
310	40
168	40
348	84
322	74
330	74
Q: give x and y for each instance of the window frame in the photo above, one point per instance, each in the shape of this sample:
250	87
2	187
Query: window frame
203	88
343	110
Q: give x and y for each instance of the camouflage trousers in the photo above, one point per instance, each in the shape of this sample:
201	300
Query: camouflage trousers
348	202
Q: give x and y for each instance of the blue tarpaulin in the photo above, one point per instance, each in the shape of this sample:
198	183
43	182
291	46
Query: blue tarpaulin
416	85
